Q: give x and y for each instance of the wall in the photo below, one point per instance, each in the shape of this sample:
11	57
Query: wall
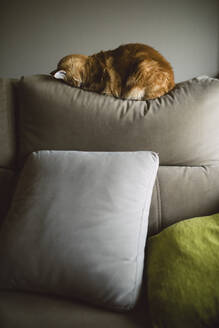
34	35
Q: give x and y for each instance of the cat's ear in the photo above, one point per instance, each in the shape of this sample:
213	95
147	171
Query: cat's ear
60	75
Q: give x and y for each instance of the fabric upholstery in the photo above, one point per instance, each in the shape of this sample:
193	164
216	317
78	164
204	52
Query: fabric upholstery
182	271
181	126
77	226
182	192
25	310
7	142
7	123
7	184
56	115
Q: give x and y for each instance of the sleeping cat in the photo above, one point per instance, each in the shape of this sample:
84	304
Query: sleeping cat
131	71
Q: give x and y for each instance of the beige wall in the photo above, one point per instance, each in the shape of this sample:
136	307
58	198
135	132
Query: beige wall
34	35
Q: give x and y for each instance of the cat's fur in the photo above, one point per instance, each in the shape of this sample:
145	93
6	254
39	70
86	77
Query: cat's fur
131	71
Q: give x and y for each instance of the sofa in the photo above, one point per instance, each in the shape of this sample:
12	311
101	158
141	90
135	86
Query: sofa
40	113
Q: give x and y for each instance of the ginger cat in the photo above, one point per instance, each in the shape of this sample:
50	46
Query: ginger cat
131	71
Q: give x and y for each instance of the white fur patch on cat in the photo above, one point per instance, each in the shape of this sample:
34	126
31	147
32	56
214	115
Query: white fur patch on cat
60	75
135	93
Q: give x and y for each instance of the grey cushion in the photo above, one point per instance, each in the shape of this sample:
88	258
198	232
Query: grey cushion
181	126
7	143
7	184
31	310
7	123
182	192
77	226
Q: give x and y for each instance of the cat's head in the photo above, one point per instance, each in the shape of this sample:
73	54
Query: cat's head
87	72
71	69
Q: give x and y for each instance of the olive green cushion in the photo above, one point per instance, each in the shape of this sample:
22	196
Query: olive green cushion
182	274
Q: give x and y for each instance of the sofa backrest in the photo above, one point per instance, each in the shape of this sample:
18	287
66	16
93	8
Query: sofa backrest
7	142
182	127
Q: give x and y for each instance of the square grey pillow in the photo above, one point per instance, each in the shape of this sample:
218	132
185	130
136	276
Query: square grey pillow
77	226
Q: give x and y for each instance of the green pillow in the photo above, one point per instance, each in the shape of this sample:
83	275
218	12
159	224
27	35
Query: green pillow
182	274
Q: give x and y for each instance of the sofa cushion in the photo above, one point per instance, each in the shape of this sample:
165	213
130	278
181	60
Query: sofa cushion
182	274
77	226
25	310
7	123
182	192
181	126
7	184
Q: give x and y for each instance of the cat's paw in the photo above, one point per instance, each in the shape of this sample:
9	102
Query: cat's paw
135	93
